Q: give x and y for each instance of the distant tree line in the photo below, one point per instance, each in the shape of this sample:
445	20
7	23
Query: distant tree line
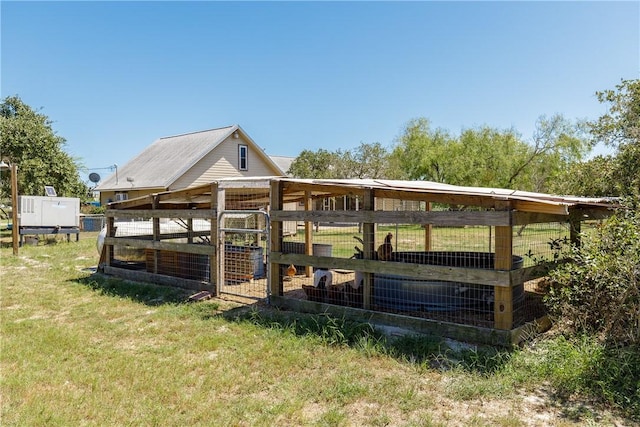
553	161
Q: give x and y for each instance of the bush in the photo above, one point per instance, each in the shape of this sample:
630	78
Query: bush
597	291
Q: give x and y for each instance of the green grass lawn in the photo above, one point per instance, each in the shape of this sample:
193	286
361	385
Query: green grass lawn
80	348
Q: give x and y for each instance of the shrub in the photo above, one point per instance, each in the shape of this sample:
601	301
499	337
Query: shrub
597	291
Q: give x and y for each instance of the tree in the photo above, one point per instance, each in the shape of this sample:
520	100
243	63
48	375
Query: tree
309	164
617	174
368	161
592	178
28	140
426	154
620	128
365	161
489	157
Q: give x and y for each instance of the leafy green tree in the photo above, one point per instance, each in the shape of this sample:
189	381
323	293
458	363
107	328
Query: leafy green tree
28	140
592	178
368	161
620	128
488	157
426	154
557	144
310	164
365	161
617	174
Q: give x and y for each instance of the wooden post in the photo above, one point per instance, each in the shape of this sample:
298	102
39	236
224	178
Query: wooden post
14	208
216	260
575	228
156	232
368	238
190	230
308	232
428	229
108	249
275	272
503	299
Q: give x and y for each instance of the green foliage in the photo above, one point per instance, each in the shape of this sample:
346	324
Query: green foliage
621	124
311	164
488	157
328	329
583	366
593	178
426	154
619	127
598	291
365	161
28	140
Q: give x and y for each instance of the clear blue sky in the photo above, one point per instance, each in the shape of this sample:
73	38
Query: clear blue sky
115	76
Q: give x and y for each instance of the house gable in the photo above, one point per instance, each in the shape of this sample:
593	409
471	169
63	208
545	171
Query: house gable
224	162
186	160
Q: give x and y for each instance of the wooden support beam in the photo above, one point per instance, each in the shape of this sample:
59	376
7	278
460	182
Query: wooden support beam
428	229
446	218
368	237
15	219
575	219
308	232
156	233
111	232
216	260
189	230
478	276
503	295
160	245
275	284
158	213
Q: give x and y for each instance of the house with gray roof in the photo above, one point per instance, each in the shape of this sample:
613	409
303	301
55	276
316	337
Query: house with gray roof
188	160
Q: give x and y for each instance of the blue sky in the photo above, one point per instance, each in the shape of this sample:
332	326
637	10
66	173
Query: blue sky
115	76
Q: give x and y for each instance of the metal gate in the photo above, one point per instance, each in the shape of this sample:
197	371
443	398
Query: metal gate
243	245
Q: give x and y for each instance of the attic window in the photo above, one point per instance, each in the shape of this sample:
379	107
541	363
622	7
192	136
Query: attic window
243	157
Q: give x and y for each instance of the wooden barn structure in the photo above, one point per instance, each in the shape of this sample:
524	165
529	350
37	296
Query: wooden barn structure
462	262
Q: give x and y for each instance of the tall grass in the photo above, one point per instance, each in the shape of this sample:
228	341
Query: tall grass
79	348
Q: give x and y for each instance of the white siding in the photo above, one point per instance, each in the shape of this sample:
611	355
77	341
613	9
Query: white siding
222	162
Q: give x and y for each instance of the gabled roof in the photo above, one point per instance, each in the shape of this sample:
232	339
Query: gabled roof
283	162
159	165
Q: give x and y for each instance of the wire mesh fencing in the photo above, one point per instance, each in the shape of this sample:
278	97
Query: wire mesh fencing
445	273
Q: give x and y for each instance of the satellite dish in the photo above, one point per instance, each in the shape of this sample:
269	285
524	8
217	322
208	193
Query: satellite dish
94	177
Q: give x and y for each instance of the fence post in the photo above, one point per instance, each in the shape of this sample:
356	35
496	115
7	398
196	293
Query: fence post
276	286
156	231
428	229
308	232
368	238
503	295
216	260
574	228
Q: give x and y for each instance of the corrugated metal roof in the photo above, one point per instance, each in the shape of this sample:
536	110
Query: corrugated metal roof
523	201
431	186
164	161
525	197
